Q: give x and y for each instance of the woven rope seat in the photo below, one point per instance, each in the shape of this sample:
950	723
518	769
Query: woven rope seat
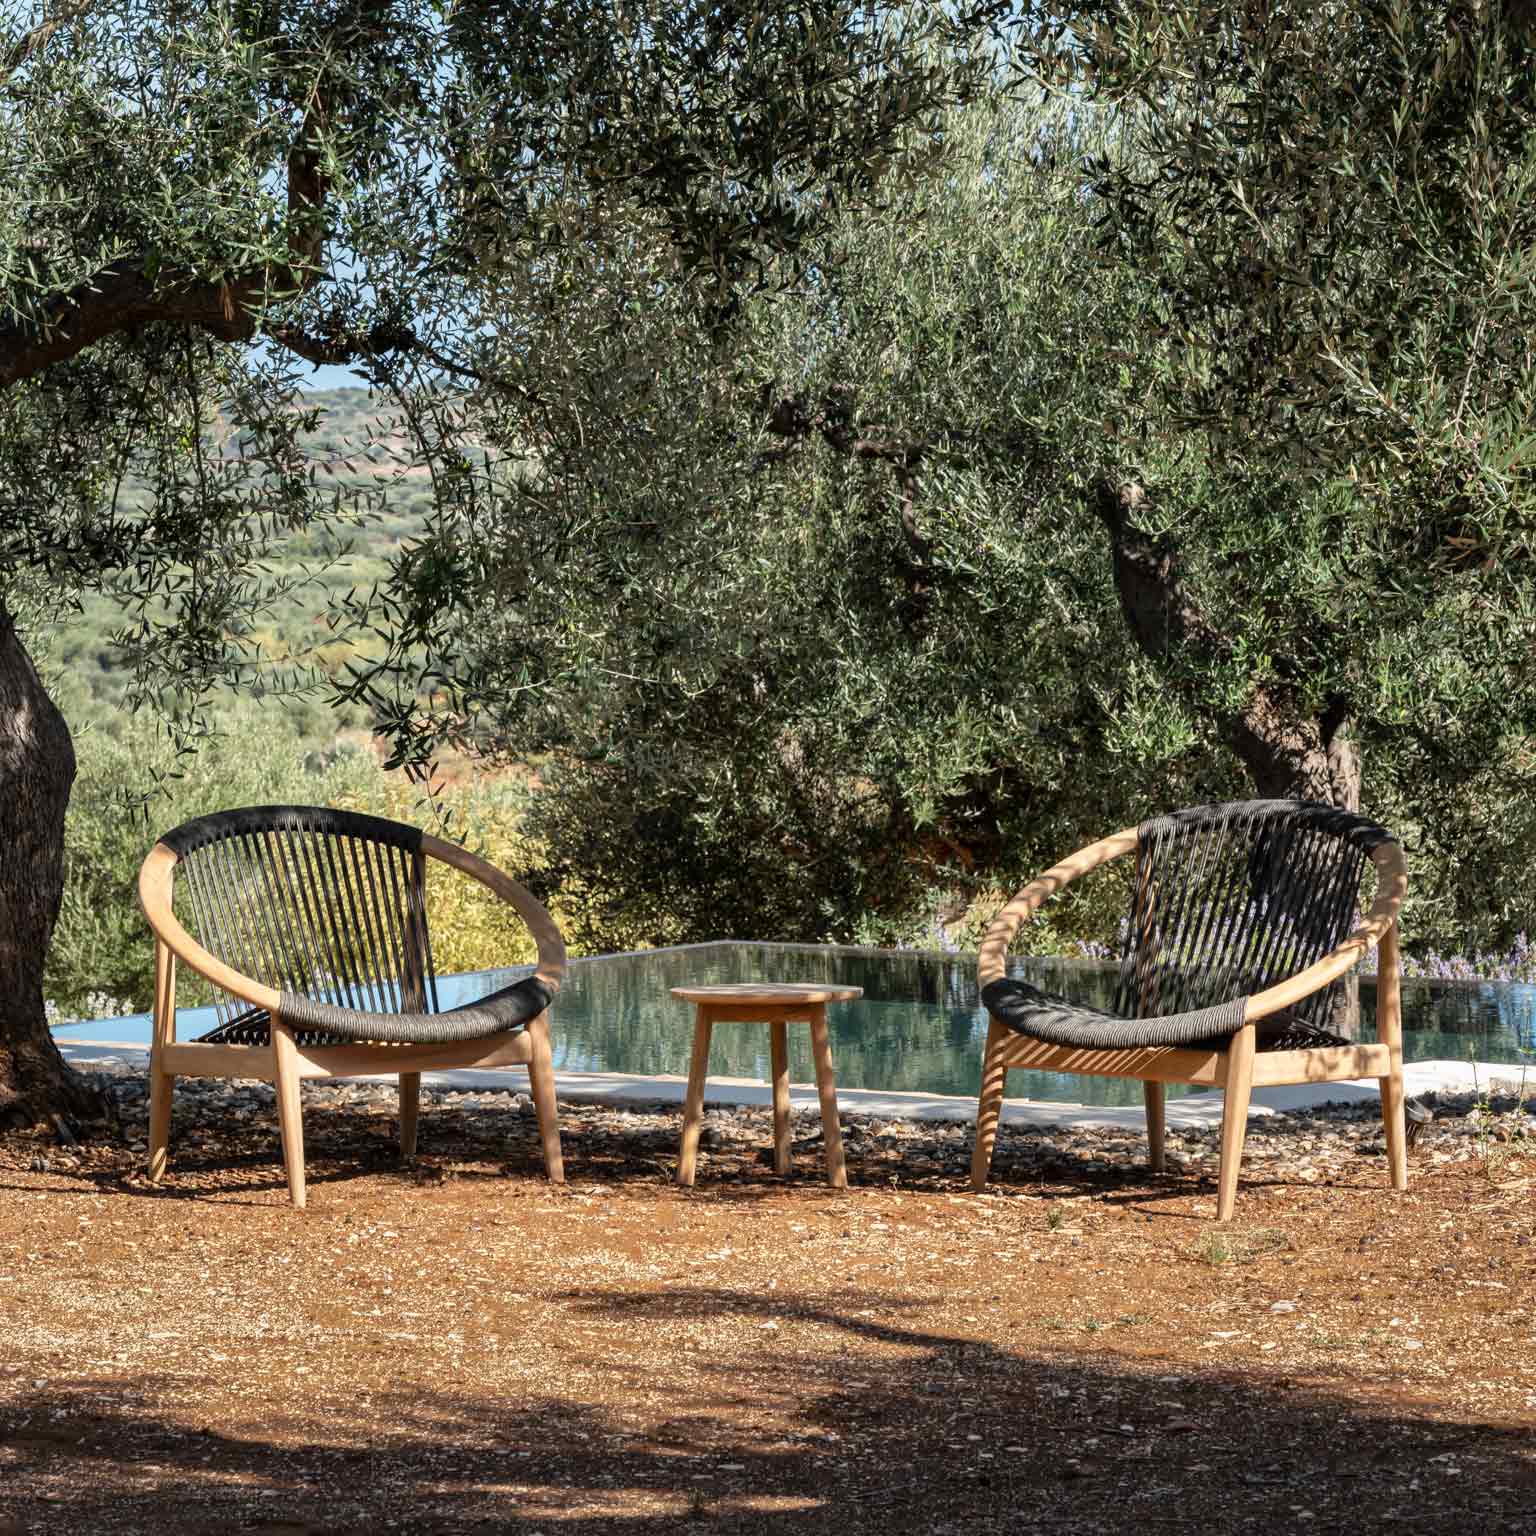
312	923
1030	1011
1243	923
320	1023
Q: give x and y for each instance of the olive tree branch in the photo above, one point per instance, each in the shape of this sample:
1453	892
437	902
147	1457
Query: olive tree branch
833	422
33	42
130	293
1284	748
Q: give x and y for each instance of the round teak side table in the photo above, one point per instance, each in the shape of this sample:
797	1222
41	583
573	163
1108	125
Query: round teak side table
777	1004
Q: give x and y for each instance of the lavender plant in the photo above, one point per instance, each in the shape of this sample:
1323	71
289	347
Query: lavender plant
1516	965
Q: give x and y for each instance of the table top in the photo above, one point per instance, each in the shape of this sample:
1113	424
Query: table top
768	992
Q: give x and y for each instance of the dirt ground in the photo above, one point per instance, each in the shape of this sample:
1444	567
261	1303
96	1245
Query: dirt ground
459	1346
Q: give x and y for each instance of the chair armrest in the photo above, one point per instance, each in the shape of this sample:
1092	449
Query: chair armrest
993	957
546	936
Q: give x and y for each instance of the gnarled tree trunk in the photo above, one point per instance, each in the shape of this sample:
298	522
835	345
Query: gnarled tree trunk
37	767
1288	752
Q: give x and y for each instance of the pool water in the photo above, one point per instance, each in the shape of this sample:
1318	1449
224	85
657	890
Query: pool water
919	1027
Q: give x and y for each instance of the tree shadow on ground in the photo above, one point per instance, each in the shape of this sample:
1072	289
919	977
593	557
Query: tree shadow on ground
879	1426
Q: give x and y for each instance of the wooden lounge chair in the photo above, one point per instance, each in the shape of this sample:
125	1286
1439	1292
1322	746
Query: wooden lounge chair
1243	919
313	923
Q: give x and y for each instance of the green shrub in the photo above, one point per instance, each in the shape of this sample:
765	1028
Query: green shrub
472	929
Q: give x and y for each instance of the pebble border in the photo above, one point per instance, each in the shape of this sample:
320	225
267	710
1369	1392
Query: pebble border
1310	1141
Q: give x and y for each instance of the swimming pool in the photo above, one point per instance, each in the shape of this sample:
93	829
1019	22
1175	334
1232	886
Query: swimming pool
920	1026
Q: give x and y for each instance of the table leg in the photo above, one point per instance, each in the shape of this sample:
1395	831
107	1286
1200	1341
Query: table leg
826	1089
780	1036
693	1105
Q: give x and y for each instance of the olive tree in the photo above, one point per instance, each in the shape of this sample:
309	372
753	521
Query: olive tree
1331	204
1186	448
199	199
810	617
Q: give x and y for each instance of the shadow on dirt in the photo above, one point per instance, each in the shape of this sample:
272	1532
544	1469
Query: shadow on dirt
892	1429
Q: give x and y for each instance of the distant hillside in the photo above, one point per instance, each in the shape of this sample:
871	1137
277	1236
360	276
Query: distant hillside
352	443
356	434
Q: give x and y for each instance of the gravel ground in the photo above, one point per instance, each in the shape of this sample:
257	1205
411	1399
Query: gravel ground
459	1347
1308	1141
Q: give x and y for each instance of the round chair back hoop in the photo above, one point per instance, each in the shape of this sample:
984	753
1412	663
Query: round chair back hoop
325	911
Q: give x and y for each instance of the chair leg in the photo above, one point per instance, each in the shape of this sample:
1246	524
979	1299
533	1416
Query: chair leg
410	1112
989	1104
162	1085
1389	1030
541	1082
1157	1121
290	1120
779	1055
161	1088
1238	1090
1395	1123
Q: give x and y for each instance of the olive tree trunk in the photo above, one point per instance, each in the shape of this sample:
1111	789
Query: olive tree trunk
1289	753
37	767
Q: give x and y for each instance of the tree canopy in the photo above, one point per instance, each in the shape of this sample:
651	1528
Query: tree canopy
813	621
199	199
1177	439
1331	206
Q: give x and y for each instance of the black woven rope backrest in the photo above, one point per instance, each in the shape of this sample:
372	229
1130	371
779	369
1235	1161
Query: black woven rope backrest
328	904
1230	899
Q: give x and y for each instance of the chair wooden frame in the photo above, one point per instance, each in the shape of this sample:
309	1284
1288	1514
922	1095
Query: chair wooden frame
1239	1068
285	1063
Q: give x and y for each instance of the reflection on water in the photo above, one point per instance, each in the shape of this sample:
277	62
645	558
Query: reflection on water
918	1027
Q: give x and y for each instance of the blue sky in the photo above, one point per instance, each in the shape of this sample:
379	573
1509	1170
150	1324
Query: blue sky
331	377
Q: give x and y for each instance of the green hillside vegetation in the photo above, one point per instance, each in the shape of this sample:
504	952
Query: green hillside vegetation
293	745
350	446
